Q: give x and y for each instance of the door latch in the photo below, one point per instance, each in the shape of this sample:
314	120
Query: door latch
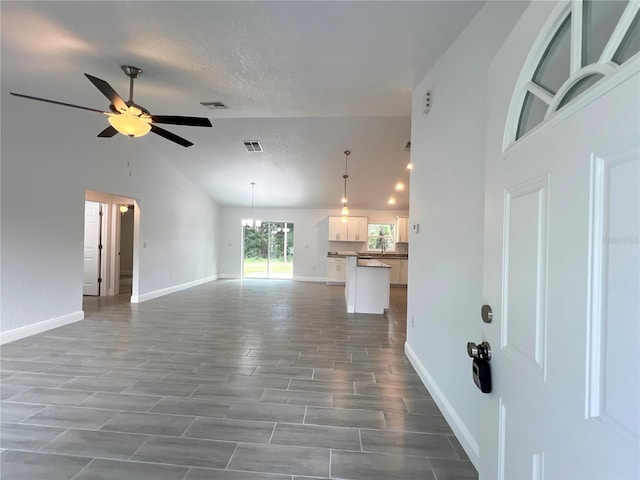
482	351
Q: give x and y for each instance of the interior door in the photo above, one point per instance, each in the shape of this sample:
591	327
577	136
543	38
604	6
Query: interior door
562	277
92	230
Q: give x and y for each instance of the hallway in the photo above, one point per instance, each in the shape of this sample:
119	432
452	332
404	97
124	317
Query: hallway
251	380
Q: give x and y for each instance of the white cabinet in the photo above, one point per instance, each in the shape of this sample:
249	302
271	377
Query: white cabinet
354	230
338	230
394	272
404	272
336	270
402	229
357	229
398	273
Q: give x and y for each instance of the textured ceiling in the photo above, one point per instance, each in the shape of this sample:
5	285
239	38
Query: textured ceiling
307	79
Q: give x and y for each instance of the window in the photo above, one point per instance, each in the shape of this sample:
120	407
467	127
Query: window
587	42
380	237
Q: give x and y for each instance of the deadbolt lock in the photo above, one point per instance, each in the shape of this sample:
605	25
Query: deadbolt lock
487	313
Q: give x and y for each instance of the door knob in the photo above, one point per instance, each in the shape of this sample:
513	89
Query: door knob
482	351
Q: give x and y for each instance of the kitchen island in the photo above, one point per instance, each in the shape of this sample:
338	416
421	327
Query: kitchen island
367	285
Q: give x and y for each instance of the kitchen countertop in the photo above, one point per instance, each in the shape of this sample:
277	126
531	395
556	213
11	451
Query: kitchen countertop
369	256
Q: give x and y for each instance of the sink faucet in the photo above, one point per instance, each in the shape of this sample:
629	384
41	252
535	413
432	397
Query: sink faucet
382	247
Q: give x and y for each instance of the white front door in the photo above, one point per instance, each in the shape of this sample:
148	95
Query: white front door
92	229
562	275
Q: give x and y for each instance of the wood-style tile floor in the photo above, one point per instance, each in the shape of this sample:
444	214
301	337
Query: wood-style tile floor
232	380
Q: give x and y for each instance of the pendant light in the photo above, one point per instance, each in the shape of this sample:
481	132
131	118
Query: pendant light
251	222
345	209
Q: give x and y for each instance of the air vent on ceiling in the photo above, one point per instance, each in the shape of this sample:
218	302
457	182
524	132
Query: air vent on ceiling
407	147
253	146
214	105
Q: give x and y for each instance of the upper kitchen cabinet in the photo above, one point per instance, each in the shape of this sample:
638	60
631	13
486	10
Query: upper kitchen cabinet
338	230
357	229
354	230
402	229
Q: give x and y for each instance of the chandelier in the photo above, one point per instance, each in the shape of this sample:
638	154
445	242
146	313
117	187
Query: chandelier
251	222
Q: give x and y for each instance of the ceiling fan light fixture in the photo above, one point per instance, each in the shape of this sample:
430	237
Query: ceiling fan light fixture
130	125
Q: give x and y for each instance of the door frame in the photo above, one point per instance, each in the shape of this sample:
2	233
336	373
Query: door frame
110	264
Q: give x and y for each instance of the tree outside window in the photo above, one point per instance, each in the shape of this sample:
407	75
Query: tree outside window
380	237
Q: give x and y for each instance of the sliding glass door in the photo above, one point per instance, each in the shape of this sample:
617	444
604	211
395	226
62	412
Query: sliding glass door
268	250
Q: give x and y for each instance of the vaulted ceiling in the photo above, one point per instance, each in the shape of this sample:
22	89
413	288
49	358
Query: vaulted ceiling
307	79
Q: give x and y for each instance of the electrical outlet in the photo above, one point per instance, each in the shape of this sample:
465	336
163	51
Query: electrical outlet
427	101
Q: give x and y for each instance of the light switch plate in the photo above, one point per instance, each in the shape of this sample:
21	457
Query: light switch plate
415	227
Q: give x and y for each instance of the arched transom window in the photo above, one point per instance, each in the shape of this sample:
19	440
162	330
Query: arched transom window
588	41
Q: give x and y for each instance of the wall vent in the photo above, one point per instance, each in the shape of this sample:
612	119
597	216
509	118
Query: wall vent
214	105
253	146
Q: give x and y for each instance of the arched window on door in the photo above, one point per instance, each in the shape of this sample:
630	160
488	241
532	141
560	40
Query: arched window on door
589	41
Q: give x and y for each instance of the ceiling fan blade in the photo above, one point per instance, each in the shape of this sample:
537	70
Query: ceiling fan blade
170	136
56	103
176	120
108	132
106	89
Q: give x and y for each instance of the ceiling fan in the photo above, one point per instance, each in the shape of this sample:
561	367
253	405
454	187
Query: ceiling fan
128	117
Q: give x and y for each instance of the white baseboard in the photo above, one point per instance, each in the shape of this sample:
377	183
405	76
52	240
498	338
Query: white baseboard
457	425
229	275
166	291
28	330
310	279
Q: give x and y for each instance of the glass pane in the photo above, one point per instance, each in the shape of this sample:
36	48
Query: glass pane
554	68
533	112
581	86
256	247
631	43
599	19
380	237
280	250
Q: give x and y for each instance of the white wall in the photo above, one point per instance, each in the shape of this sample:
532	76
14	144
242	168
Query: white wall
447	197
46	168
310	242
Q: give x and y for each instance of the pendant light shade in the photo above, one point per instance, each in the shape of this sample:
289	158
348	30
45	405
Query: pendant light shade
345	209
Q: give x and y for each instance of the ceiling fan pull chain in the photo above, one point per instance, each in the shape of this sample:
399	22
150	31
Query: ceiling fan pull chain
129	159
